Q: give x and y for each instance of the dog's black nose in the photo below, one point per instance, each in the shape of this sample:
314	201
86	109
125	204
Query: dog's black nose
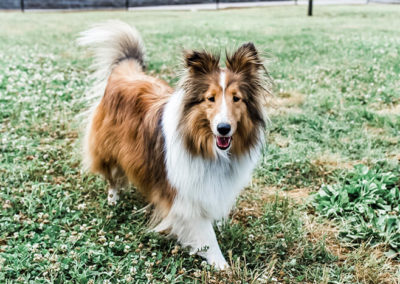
223	128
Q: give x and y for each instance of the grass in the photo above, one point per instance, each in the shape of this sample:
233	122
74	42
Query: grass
336	105
367	203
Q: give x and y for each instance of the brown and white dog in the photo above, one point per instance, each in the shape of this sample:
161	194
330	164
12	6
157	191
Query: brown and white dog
189	151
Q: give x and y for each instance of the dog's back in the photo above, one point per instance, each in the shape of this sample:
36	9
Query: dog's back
124	141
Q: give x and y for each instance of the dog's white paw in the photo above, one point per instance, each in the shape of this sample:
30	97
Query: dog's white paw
218	262
112	197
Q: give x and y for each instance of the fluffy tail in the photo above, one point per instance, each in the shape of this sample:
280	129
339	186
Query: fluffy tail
111	42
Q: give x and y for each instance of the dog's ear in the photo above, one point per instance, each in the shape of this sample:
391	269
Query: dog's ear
245	60
201	62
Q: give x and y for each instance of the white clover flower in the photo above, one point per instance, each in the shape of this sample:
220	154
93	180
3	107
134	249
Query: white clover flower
197	273
37	257
149	276
102	239
81	206
128	278
55	267
35	246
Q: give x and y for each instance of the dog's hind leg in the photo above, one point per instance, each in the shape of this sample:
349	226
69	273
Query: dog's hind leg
118	181
113	196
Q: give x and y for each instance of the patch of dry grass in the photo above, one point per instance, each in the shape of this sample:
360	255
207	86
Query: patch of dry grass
389	110
285	103
371	266
332	161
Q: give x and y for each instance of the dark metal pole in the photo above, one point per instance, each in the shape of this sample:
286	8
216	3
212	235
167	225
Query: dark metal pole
22	6
127	4
310	7
217	2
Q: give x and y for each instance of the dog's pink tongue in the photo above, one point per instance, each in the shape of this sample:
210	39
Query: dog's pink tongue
223	142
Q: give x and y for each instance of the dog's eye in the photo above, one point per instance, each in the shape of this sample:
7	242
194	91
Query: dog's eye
211	99
236	99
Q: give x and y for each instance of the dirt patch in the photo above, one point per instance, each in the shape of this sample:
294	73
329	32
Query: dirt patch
252	200
285	103
380	133
392	110
371	266
395	156
298	195
318	230
289	99
333	161
376	131
269	193
250	204
278	139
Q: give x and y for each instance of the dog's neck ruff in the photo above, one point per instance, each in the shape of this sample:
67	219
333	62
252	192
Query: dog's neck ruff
205	188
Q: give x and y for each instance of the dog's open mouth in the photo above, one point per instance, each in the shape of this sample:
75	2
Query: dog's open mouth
224	142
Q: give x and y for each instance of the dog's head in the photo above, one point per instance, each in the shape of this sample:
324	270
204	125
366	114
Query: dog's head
222	107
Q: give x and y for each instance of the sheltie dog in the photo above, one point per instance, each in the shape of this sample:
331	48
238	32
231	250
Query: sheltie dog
189	151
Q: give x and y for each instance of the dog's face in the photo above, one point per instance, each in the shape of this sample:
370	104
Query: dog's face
222	109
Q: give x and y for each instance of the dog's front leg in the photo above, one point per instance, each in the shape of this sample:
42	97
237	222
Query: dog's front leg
198	233
207	244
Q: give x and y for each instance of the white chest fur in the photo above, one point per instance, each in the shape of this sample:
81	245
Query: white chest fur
206	188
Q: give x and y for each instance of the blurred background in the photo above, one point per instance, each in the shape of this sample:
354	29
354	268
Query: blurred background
126	4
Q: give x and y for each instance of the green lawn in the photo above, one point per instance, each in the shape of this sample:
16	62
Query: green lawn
336	104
